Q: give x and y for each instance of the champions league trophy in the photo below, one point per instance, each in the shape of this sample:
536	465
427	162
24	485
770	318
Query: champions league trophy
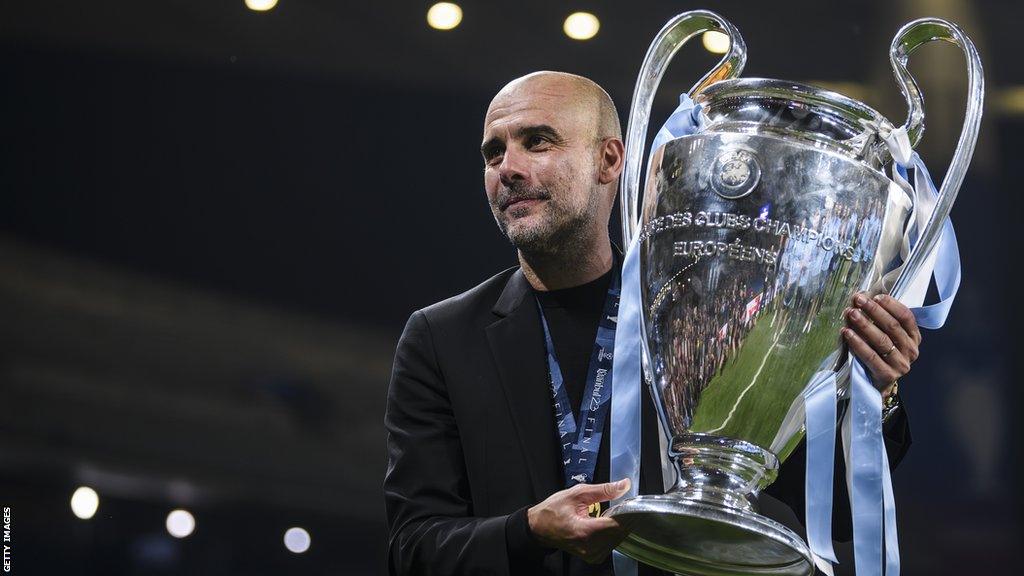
755	232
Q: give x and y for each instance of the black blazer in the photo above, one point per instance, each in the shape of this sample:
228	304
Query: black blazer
472	440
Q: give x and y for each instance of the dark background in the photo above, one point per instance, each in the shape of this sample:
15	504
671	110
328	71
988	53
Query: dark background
214	223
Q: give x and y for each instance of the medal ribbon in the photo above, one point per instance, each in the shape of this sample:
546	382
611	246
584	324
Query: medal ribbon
581	440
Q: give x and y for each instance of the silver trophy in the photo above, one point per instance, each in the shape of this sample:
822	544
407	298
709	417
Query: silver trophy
755	232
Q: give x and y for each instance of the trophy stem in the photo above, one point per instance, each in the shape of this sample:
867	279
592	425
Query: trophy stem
720	470
707	524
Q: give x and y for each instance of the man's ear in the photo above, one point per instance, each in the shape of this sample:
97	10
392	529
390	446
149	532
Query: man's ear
612	157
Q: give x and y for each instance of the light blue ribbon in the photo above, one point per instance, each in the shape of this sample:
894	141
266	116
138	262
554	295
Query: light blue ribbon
624	433
865	467
947	261
871	494
820	422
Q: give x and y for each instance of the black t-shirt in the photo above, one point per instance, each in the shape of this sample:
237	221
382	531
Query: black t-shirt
573	315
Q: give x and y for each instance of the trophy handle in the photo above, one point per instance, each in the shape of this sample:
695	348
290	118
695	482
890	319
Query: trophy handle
908	39
670	39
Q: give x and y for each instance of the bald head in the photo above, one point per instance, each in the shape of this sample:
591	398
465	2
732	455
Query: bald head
582	99
552	151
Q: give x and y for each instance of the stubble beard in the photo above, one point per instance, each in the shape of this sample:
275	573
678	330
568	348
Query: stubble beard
563	232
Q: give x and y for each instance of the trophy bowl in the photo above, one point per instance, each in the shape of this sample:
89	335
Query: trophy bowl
755	231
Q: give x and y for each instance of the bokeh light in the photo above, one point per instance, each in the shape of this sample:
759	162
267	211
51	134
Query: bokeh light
444	15
180	523
84	502
581	26
296	540
260	5
716	42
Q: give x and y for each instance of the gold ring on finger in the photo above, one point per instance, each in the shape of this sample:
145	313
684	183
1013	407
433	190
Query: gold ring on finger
889	351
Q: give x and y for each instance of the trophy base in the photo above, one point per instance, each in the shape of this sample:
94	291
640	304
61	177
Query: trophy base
696	538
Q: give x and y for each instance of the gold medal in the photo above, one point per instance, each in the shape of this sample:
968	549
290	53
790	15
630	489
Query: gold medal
594	510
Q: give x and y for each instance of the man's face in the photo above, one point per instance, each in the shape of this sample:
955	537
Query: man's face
540	166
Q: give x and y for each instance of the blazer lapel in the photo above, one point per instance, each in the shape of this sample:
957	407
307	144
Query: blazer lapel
517	346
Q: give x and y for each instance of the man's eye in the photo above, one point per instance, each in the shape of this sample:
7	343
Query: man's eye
493	156
534	141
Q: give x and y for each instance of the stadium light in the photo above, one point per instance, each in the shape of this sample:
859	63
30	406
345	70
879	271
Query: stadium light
260	5
296	540
180	523
581	26
84	502
444	16
715	42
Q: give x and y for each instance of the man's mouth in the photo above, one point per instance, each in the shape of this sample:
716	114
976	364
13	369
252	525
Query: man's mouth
524	201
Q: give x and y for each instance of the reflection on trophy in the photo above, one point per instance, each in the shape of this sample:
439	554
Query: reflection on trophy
754	233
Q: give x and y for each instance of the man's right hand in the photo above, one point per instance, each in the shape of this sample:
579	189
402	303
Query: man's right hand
562	521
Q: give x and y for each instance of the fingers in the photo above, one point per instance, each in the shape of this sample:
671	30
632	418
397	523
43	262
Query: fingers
870	332
600	536
883	372
902	314
591	493
879	314
561	521
594	538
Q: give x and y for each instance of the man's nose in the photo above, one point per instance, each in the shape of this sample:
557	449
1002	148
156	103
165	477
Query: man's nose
513	167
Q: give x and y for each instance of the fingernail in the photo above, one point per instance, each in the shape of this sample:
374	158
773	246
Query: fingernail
859	300
846	332
622	484
879	297
855	314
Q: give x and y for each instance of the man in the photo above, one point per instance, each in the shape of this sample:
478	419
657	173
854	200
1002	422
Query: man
475	481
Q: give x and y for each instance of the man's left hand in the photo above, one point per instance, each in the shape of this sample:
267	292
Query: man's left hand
883	333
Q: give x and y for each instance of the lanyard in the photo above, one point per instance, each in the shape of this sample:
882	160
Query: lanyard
581	439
